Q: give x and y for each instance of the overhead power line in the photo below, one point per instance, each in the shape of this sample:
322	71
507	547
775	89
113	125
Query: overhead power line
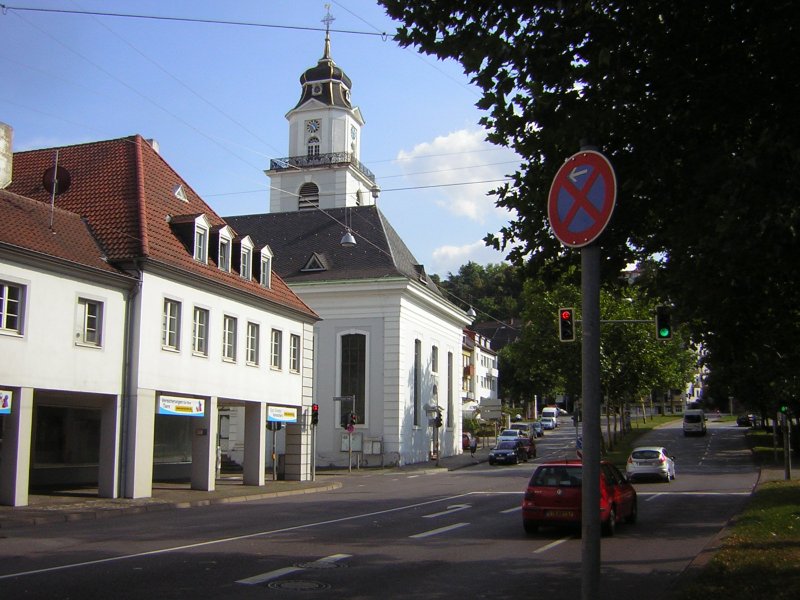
5	8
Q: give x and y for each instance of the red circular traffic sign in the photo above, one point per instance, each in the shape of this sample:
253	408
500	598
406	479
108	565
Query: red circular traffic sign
582	198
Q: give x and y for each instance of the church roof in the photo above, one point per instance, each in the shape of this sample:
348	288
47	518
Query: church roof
307	245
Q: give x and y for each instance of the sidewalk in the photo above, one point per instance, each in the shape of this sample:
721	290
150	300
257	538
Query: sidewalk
83	503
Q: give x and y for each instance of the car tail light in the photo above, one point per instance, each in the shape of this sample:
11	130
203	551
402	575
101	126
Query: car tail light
630	460
662	459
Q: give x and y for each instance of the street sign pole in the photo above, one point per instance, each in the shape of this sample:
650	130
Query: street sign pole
579	206
590	391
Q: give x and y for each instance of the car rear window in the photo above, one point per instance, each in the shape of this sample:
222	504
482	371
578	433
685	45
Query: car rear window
557	476
692	418
504	445
645	454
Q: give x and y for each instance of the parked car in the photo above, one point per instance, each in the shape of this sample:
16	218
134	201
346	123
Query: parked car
537	428
510	434
650	461
549	422
524	428
745	420
530	447
508	452
553	496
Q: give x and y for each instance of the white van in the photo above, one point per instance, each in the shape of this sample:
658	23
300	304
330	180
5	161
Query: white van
694	422
550	411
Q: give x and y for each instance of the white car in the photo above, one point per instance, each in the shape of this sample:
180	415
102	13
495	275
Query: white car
549	422
510	434
650	461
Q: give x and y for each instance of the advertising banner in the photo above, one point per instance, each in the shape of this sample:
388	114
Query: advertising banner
182	407
5	402
282	414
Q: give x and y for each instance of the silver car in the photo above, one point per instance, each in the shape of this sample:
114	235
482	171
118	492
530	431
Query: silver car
652	462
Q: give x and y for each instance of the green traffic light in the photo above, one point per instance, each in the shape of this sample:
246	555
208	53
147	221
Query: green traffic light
663	332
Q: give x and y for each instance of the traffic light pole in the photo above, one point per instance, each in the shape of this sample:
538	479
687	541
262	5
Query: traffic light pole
590	390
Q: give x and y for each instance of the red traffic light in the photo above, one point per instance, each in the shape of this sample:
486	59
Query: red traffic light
566	324
566	315
315	408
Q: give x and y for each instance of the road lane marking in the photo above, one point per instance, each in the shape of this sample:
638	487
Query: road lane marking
247	536
263	577
438	531
654	495
551	545
256	579
450	509
510	510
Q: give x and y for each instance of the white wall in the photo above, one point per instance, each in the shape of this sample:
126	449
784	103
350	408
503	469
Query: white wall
184	372
46	356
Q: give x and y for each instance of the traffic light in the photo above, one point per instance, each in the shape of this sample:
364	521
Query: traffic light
784	409
566	324
352	418
663	323
314	414
438	420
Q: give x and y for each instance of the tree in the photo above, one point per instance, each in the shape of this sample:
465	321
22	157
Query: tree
694	103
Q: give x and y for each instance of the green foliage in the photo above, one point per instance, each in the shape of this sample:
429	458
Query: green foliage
694	103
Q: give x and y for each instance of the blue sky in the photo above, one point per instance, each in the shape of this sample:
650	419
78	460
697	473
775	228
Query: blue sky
215	97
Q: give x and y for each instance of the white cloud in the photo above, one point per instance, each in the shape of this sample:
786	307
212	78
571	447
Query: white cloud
457	158
448	259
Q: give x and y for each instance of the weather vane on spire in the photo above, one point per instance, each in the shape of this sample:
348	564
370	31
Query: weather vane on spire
328	19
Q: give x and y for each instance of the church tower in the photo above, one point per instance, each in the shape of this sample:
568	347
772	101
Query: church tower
323	169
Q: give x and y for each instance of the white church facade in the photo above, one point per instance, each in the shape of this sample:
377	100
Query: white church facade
388	346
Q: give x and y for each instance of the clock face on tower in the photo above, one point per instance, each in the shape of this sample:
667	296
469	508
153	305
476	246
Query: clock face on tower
312	126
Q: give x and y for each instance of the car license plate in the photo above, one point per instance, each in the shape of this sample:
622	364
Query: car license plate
560	514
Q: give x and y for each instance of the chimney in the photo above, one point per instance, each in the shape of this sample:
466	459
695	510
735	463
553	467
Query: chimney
6	154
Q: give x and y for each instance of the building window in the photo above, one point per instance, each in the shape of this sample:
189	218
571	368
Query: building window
229	338
313	147
266	271
90	322
417	399
224	254
200	331
434	359
11	303
277	343
246	269
171	325
252	343
200	243
354	372
294	353
309	197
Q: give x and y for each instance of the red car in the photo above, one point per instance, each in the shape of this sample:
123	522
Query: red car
553	496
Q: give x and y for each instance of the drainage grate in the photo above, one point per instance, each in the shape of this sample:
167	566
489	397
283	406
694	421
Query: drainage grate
298	585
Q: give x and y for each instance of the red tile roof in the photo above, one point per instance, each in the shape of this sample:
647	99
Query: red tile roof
126	191
32	226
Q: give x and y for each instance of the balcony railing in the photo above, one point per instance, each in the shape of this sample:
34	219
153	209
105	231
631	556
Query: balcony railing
320	160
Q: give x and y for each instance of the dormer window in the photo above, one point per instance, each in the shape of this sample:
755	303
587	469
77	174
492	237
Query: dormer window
224	254
247	263
266	267
200	242
180	193
316	89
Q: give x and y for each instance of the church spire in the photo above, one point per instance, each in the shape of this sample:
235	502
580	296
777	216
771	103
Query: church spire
327	19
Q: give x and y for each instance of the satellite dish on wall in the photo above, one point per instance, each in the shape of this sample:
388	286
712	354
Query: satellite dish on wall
56	180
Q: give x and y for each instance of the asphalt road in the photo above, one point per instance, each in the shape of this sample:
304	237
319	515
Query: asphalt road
444	535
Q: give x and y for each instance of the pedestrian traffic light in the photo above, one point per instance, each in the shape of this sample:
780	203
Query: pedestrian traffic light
784	408
566	324
314	414
663	323
352	418
438	420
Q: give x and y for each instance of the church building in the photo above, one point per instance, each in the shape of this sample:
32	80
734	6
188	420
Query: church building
387	374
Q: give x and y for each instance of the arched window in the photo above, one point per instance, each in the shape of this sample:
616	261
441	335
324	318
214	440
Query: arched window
313	147
309	197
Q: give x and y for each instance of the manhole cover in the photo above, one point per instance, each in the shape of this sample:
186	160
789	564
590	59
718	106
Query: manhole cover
298	585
